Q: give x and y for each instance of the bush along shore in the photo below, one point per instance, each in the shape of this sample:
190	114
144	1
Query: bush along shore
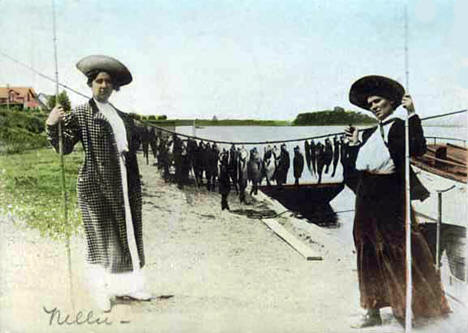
21	130
31	190
338	116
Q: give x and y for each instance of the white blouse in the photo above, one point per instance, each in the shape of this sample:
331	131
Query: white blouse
116	123
374	155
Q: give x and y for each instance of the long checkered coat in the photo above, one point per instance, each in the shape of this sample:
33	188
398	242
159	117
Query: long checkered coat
100	194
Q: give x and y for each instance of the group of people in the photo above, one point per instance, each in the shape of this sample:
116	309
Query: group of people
109	191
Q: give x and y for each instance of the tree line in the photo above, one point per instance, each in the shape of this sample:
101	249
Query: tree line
337	116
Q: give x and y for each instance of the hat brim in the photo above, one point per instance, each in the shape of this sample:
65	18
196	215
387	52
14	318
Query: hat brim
119	73
374	85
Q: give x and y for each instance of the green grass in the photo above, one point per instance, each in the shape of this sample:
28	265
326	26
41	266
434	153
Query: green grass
21	130
31	189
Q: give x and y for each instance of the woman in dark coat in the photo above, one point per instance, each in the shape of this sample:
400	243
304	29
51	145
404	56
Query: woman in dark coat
376	174
109	190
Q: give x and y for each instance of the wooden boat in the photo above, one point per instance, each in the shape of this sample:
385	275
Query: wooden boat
310	201
443	170
445	160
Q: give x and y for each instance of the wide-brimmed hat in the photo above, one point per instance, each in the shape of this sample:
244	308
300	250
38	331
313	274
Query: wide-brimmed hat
119	73
375	85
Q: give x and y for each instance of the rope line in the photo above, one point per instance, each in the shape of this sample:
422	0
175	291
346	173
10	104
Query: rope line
42	75
206	139
286	140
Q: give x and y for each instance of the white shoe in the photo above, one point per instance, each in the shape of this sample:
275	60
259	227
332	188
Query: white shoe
103	302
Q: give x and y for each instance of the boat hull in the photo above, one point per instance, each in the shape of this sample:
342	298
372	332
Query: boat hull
310	201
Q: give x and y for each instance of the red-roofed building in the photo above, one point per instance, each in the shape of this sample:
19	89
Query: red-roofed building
24	97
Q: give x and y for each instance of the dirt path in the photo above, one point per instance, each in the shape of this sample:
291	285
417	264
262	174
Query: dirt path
227	272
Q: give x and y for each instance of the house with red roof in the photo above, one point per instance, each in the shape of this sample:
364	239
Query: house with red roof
23	97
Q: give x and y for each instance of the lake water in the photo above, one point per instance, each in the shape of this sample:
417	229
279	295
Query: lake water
277	133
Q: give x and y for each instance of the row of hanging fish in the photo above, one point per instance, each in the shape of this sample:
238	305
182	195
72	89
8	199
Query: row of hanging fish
207	161
321	157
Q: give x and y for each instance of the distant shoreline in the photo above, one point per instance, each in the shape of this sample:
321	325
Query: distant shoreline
211	123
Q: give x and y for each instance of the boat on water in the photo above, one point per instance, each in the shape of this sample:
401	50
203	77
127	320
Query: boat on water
309	200
444	159
443	216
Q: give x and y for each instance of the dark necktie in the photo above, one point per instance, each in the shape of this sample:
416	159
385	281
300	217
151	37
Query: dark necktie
382	133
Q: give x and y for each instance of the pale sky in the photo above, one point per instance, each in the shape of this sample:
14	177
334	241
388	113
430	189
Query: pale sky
243	59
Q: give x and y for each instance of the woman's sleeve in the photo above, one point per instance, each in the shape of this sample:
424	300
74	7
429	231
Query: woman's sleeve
71	133
350	174
417	142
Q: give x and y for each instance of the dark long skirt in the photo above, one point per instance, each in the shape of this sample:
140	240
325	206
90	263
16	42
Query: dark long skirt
379	236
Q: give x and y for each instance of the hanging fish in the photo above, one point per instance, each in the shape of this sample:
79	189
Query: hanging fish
283	166
328	154
197	151
163	158
313	156
242	172
307	154
268	165
232	166
320	151
224	183
254	170
298	164
336	154
343	151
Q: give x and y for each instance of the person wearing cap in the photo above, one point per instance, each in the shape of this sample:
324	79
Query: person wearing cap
109	189
375	171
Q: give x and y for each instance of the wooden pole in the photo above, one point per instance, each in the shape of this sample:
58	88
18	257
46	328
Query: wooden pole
409	280
439	222
62	164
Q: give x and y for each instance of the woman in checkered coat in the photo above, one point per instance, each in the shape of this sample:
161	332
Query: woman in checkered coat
109	190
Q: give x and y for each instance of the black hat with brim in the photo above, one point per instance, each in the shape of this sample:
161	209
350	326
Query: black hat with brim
374	85
119	73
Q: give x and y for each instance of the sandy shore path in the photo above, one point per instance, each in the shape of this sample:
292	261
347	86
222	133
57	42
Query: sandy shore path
227	273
